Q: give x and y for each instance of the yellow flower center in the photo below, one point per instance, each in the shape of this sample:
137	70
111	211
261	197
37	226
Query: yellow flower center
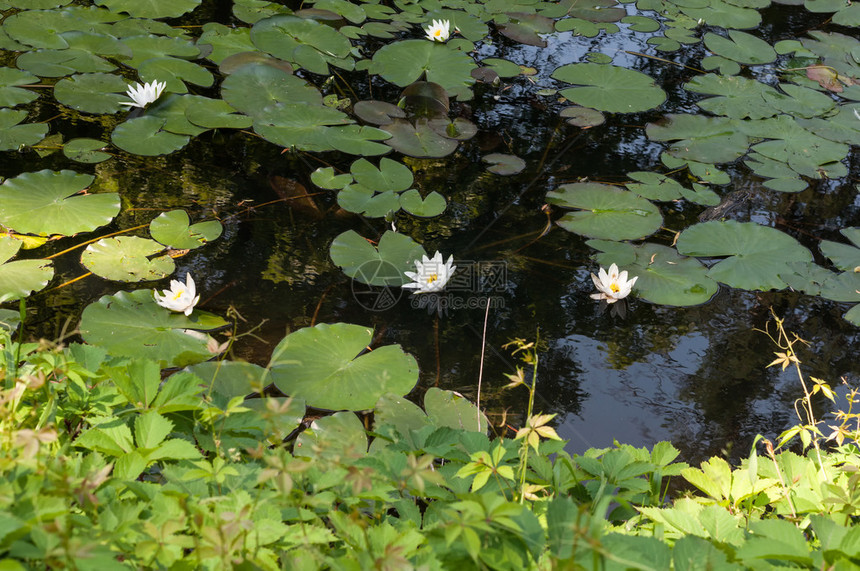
437	33
178	294
432	278
614	287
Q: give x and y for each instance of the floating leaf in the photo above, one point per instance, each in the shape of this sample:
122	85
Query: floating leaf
739	97
665	277
609	88
419	140
525	28
10	94
85	150
254	87
582	116
127	259
232	378
132	324
47	202
214	114
432	205
308	43
447	408
358	140
174	229
92	92
404	62
146	136
654	186
383	265
725	15
20	278
699	138
339	435
328	367
377	112
150	8
844	256
605	212
14	136
756	254
504	164
740	47
324	177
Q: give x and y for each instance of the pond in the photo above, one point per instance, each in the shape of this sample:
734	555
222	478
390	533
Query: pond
707	147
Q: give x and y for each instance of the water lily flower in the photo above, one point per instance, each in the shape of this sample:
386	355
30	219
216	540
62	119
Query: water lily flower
439	31
180	296
612	286
431	275
142	95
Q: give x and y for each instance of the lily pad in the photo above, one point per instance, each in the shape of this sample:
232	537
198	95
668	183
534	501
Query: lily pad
391	175
215	114
655	186
150	8
20	278
525	28
846	257
432	205
404	62
377	112
146	136
12	95
92	92
504	164
47	202
60	63
605	211
85	150
358	140
14	136
419	140
308	43
175	230
324	177
127	259
582	116
699	138
232	378
254	87
363	200
132	324
447	408
328	366
740	47
665	277
339	435
757	254
383	265
609	88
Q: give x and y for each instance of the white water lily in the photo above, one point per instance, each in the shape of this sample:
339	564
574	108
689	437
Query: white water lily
142	95
431	274
439	31
612	286
180	297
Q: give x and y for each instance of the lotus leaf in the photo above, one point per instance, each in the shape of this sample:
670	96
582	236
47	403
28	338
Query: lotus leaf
740	47
740	97
432	205
725	66
459	129
780	176
358	140
503	67
146	136
404	62
525	28
232	378
363	200
370	265
214	114
641	23
43	28
806	153
377	112
127	259
306	42
609	88
225	41
151	47
92	92
327	366
665	277
251	11
400	413
605	211
799	101
815	280
10	94
254	87
47	202
582	116
654	186
843	127
132	324
173	229
324	177
391	175
20	278
85	150
14	136
585	28
447	408
172	109
757	255
298	126
700	194
722	13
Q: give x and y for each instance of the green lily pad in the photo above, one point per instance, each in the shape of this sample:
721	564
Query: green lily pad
339	435
20	278
60	63
150	8
780	176
609	88
324	177
740	47
154	47
214	114
131	324
582	116
799	101
358	140
641	23
665	277
175	73
655	186
298	126
699	138
404	62
232	378
325	366
254	87
525	28
383	265
12	95
504	164
725	15
812	279
846	257
47	202
853	315
418	140
433	204
225	41
377	112
14	136
605	211
362	200
172	109
391	175
459	129
504	68
146	136
85	150
757	254
308	43
447	408
127	259
174	229
739	97
92	92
